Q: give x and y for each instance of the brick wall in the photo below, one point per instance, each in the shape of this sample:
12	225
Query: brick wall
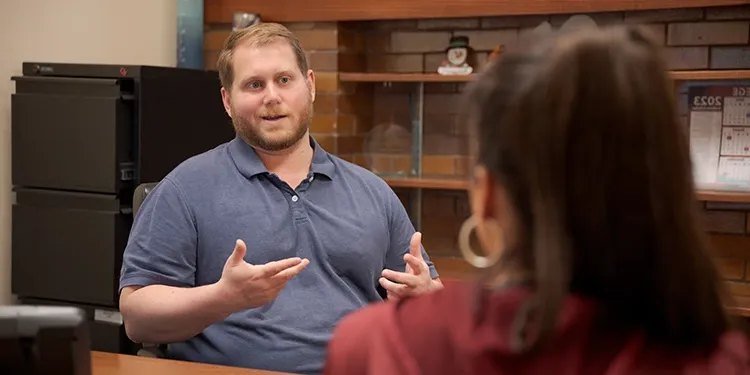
350	116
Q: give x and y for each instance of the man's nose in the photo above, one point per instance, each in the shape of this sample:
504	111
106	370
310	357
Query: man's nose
272	95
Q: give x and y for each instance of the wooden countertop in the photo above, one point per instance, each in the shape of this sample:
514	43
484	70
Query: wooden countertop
120	364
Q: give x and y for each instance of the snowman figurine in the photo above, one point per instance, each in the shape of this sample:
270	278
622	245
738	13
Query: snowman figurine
458	55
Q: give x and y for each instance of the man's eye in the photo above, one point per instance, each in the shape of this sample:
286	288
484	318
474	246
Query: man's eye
284	79
254	85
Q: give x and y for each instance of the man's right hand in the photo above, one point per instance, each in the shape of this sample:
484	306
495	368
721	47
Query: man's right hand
255	285
163	314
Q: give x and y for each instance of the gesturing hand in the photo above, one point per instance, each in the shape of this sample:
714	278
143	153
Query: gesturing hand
255	285
416	278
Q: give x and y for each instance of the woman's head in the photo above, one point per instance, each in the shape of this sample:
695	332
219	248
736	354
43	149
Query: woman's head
583	183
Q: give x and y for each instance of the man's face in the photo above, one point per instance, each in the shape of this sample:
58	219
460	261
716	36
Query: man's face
270	102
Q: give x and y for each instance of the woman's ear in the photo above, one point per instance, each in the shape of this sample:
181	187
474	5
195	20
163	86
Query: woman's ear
484	208
482	194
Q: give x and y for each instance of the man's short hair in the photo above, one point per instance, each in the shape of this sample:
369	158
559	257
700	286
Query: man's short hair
257	35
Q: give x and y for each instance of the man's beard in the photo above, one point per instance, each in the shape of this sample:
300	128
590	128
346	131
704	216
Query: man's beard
250	132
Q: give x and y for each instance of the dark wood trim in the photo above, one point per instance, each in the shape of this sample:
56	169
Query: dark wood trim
220	11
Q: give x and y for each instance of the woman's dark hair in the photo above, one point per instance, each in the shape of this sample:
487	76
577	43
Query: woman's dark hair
582	132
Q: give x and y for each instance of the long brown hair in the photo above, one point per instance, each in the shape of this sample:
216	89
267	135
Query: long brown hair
581	129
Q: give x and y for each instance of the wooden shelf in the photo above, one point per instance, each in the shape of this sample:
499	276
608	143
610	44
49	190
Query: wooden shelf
682	75
700	75
460	184
723	196
402	77
427	183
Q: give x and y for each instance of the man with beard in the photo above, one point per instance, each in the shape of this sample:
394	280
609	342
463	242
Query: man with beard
249	254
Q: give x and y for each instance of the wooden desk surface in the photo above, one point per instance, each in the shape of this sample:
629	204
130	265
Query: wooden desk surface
120	364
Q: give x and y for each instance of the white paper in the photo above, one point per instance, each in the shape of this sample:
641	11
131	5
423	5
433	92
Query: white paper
734	170
705	143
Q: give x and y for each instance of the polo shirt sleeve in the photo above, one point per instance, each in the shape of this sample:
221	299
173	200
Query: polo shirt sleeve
162	245
401	230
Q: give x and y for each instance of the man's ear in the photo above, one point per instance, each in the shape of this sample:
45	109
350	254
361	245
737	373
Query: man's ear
226	99
311	83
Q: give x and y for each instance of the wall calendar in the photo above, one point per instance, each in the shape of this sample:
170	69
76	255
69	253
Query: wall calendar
720	136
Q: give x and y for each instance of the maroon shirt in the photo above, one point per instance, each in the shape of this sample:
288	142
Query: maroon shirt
438	334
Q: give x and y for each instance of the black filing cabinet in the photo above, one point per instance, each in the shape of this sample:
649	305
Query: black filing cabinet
83	137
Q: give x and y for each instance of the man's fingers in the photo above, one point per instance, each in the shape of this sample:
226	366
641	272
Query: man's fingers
415	245
416	265
402	278
272	268
390	286
238	254
288	273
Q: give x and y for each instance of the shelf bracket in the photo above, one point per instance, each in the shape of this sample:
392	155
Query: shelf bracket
416	106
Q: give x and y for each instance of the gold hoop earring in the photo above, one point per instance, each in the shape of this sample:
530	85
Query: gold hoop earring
464	244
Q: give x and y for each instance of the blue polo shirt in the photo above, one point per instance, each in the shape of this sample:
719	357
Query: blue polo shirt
346	220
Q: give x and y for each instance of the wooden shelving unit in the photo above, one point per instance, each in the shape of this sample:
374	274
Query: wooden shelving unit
679	75
418	182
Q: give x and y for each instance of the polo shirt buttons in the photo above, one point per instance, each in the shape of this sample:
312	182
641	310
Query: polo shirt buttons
311	178
294	198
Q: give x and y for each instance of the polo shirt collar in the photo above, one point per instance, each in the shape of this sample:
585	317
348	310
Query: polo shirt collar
250	165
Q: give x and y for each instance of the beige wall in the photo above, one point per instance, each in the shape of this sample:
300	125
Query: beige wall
75	31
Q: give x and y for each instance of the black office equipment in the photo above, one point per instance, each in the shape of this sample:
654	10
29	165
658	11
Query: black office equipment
83	137
40	340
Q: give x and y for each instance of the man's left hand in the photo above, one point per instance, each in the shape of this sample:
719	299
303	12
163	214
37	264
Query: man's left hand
415	280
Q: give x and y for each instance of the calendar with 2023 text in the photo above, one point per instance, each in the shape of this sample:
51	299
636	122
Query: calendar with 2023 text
719	121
